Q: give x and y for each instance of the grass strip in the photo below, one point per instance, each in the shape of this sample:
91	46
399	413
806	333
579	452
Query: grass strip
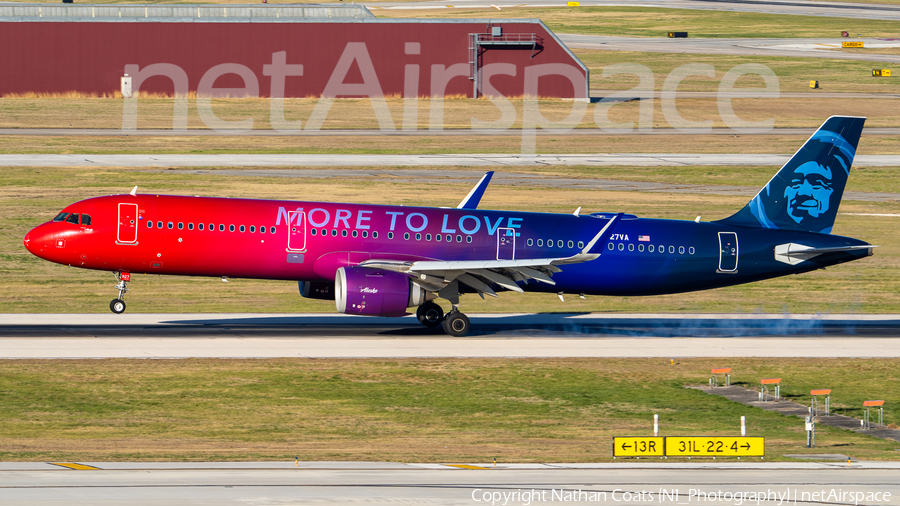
447	410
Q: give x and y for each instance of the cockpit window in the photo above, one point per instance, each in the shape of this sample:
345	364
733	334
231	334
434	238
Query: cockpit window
86	220
73	218
61	217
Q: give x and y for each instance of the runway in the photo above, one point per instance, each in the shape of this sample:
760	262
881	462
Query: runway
796	48
790	7
460	160
384	483
159	336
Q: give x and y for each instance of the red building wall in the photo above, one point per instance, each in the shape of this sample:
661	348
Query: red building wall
90	57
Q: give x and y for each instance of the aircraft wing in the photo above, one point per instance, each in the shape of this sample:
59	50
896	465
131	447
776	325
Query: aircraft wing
435	275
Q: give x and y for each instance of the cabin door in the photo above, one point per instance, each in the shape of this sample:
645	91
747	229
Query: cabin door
127	233
506	244
297	231
728	252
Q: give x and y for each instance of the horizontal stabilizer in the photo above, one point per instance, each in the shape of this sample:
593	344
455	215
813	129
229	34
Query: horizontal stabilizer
792	253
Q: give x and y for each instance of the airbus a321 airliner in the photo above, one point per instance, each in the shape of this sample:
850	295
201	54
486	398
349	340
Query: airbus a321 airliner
381	260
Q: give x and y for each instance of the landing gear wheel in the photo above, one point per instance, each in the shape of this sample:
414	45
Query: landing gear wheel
430	314
117	306
456	324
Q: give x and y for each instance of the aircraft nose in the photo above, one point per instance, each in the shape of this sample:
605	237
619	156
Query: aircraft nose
37	240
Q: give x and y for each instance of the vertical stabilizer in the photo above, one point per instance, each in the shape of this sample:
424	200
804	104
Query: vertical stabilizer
805	194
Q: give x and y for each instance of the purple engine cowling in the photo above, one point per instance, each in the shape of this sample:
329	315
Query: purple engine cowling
372	292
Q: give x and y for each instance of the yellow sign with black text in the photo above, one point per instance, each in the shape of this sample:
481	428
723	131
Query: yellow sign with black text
638	447
699	446
853	43
574	4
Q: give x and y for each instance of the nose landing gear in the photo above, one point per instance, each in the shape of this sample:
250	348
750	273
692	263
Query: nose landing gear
117	305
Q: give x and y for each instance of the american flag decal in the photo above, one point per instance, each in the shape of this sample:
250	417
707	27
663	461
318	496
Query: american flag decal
644	238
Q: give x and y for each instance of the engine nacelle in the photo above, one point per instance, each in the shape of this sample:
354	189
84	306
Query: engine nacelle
317	290
375	292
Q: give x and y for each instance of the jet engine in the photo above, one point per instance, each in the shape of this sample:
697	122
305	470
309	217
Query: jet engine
375	292
317	290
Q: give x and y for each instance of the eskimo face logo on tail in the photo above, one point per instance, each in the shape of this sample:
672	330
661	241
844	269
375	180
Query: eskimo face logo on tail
807	190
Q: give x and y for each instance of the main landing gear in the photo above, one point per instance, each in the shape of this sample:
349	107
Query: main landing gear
454	323
117	305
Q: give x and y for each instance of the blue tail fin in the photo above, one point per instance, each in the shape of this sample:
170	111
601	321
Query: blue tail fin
804	195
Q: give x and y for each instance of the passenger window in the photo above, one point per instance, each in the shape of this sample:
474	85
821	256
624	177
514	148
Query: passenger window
621	246
73	218
641	248
661	249
418	237
580	244
650	248
312	231
252	229
427	237
681	250
61	217
365	234
86	219
262	230
549	243
159	224
180	225
324	233
610	246
691	250
671	249
540	242
199	226
271	230
438	237
459	238
469	238
344	233
374	235
355	233
243	228
449	238
211	227
334	232
571	244
390	235
630	247
149	224
559	243
191	226
221	227
231	228
530	241
170	225
406	236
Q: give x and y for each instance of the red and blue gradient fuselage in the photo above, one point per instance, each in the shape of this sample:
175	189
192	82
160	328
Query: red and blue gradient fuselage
309	241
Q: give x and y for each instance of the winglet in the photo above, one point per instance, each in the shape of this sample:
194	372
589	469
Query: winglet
584	255
133	191
474	197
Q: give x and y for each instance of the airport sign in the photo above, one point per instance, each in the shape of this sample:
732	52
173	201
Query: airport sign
638	447
700	446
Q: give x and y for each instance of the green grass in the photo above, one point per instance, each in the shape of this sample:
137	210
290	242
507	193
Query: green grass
406	410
